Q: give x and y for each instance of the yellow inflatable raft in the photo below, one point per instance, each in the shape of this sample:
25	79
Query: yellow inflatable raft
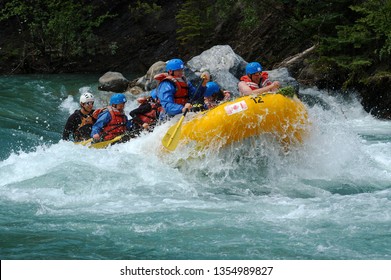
283	117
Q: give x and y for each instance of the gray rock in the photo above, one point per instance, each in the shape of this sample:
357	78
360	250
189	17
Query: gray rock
282	75
226	68
147	81
113	81
224	65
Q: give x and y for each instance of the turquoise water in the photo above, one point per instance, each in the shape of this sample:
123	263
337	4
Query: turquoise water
327	199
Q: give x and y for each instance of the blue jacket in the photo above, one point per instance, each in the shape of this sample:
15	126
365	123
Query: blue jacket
166	91
103	119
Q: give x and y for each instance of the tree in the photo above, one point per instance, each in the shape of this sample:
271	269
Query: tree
56	29
194	22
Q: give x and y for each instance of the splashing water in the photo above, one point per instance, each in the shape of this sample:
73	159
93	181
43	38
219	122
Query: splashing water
329	198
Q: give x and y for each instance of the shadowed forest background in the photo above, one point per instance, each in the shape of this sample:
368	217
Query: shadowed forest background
351	40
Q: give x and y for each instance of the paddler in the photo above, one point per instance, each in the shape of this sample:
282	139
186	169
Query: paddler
79	124
256	81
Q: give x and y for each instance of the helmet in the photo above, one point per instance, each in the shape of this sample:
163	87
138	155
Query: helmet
87	97
117	98
174	64
253	67
211	88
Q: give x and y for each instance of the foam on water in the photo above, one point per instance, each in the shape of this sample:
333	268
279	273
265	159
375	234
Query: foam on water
329	198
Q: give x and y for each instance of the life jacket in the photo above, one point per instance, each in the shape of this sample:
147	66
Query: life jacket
97	112
83	131
117	124
181	94
151	116
264	81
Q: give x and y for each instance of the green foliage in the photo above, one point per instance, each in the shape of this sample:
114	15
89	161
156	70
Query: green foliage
198	18
376	21
288	91
113	47
250	14
59	29
254	12
195	21
141	9
224	9
352	36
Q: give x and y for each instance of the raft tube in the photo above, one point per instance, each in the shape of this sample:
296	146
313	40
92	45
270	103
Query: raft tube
282	116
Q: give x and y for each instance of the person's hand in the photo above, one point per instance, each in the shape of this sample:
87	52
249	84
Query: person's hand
96	137
187	107
145	125
227	94
275	85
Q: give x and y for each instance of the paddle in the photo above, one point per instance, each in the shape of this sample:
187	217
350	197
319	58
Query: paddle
104	144
171	139
85	142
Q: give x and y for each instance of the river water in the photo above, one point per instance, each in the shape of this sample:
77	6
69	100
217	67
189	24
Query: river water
329	198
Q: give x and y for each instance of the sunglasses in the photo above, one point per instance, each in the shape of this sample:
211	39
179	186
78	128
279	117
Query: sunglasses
89	103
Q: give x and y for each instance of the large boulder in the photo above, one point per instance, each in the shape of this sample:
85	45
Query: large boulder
147	82
113	81
226	68
283	76
224	65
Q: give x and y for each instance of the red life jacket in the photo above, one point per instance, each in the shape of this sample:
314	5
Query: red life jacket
151	116
264	81
181	95
116	126
97	112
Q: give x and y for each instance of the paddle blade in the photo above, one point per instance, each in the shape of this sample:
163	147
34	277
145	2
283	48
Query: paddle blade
171	139
105	144
85	142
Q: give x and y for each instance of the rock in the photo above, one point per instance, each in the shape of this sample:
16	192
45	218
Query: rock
282	75
224	65
147	82
226	68
376	95
136	90
113	81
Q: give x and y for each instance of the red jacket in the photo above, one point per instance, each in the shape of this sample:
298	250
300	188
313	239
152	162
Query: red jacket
264	81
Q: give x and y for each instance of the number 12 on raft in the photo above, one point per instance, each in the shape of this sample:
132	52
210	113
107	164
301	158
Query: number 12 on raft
257	99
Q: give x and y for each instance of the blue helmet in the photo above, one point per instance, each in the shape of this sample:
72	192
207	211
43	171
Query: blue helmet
117	98
174	64
211	88
253	67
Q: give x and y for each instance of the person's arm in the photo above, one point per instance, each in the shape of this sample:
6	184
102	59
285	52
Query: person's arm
244	89
142	109
102	120
70	126
165	94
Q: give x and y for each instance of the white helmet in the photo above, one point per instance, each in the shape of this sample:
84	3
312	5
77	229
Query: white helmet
87	97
